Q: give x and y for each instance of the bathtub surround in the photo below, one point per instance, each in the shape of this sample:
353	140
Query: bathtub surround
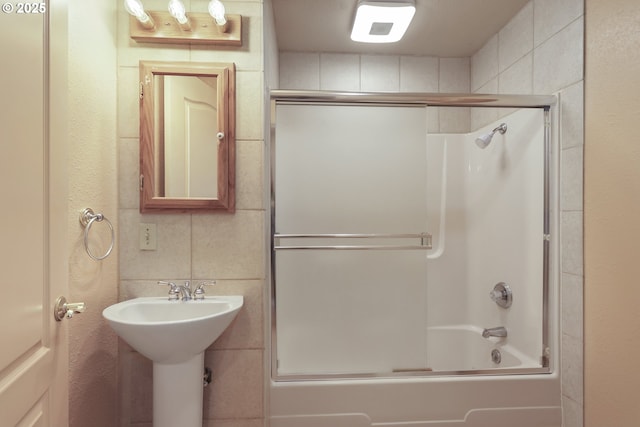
490	198
539	52
221	246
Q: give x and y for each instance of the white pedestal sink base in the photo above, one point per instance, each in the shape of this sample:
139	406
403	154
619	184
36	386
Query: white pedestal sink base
164	330
178	393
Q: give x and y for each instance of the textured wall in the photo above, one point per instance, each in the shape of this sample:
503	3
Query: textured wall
92	183
612	209
221	246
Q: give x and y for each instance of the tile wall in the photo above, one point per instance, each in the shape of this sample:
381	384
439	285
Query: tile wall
225	247
540	51
383	73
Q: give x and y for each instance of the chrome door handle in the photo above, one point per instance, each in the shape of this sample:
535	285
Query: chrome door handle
66	309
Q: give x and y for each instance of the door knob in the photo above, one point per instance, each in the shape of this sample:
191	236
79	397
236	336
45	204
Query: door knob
66	309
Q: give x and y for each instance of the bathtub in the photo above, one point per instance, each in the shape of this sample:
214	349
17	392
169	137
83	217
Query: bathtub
432	401
464	387
457	348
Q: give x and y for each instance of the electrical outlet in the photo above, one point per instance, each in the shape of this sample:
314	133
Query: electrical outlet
147	237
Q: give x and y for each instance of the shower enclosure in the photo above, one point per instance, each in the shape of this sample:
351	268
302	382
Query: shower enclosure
413	271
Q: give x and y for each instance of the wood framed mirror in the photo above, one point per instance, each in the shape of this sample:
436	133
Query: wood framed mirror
187	136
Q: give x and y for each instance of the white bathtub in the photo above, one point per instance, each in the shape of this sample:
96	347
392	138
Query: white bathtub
438	401
465	389
462	348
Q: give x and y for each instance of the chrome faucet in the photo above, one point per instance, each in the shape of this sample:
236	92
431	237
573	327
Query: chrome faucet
176	292
185	290
500	331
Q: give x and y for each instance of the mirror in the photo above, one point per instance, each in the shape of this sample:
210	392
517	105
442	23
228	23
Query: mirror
187	136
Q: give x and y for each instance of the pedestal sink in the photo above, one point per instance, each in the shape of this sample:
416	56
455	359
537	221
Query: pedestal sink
174	335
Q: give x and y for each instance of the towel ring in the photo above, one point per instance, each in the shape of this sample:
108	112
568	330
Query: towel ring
87	218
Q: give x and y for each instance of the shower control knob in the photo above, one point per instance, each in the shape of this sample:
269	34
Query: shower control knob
501	295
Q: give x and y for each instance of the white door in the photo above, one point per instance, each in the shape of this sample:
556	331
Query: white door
33	217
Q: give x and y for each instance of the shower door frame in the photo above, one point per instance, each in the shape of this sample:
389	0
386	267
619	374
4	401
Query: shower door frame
303	97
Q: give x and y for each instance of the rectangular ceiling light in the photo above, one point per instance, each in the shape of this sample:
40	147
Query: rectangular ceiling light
382	21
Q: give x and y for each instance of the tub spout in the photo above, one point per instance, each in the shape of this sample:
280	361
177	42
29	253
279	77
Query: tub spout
500	331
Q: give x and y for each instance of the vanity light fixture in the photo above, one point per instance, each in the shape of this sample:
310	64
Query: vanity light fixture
179	26
382	21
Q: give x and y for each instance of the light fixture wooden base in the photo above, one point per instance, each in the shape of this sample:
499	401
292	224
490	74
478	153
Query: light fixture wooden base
203	30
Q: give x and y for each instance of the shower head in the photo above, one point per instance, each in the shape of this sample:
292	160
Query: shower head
484	140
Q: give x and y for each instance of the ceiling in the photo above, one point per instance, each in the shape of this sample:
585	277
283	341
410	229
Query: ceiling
445	28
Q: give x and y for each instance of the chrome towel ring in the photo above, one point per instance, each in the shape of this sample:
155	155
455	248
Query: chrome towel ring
87	218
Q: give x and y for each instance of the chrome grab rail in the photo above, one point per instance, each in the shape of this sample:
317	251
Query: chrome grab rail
425	241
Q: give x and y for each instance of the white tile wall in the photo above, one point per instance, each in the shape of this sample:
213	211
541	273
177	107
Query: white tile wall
551	16
516	38
572	314
339	72
300	70
419	74
518	77
382	73
454	75
571	245
572	101
572	413
571	179
379	73
484	64
559	61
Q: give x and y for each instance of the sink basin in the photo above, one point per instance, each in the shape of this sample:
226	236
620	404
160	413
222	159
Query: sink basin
170	332
174	335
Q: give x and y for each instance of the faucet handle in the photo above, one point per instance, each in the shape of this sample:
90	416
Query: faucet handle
174	291
198	293
502	295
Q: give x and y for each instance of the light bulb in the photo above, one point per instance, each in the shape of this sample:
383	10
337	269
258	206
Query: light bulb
177	10
216	10
136	9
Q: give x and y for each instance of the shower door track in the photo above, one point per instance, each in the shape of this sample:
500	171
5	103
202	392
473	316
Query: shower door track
427	99
303	97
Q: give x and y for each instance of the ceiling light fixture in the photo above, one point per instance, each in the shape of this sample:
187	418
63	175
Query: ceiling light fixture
382	21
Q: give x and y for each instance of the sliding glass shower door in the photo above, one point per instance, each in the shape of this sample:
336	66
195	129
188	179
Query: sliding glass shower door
350	239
